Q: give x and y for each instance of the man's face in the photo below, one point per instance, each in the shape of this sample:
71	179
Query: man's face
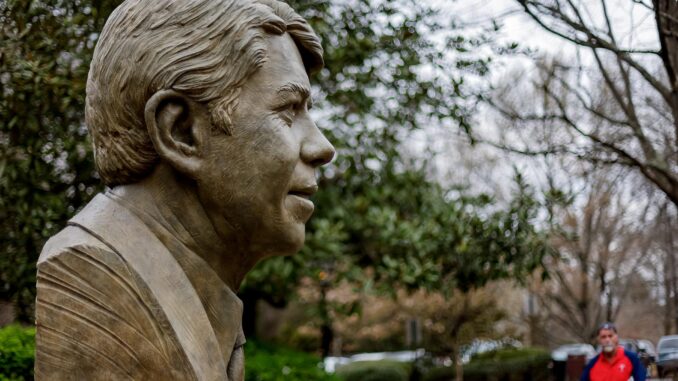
255	184
608	340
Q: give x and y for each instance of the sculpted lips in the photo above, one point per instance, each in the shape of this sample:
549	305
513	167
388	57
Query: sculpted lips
304	191
302	206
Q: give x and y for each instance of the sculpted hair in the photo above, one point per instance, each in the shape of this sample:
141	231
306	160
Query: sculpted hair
205	49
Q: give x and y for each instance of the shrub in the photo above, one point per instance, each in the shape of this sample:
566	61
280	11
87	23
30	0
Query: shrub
509	354
374	371
17	353
506	365
266	362
263	362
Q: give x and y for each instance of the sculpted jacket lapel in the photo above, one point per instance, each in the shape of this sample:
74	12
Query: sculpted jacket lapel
223	307
121	230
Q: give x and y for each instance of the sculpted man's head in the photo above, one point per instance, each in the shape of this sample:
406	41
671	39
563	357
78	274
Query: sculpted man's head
199	116
218	91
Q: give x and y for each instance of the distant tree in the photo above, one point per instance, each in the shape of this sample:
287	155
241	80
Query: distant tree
601	245
663	264
385	77
46	169
456	322
446	325
369	94
406	233
616	102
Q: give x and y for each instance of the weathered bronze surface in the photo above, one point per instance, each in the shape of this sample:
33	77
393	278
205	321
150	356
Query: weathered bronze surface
198	113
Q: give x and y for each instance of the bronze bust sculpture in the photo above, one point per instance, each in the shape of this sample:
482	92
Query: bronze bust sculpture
198	112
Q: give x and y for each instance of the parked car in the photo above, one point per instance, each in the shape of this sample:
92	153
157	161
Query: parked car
646	352
667	355
559	357
646	346
481	346
331	364
561	353
630	345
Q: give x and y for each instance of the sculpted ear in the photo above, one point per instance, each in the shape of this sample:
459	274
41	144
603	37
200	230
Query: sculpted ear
178	128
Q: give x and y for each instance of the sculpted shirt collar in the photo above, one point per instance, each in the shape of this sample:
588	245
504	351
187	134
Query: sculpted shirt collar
223	307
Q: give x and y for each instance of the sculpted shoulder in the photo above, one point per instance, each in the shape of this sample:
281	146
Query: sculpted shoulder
96	318
70	236
110	292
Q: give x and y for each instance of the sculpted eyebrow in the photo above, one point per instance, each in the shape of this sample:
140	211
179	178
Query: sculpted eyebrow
295	88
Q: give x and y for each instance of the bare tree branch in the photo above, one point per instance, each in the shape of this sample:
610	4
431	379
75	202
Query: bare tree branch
641	2
593	41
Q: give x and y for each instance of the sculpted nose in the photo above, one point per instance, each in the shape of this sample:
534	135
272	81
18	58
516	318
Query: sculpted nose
316	150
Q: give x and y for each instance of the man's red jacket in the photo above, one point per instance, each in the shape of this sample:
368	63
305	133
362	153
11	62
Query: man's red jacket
624	364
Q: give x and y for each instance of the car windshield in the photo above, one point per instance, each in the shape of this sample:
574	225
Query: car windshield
646	346
668	345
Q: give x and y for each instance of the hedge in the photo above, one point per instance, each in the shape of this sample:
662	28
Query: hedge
17	353
375	371
524	364
264	362
267	362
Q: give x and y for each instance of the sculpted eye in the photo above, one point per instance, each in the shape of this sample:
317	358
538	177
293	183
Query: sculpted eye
289	110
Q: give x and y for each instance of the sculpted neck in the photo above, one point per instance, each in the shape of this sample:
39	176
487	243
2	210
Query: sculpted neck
172	201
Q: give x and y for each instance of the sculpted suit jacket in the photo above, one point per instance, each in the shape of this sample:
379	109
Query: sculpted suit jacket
119	298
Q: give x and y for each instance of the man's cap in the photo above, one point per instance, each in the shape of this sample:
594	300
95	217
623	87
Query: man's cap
609	326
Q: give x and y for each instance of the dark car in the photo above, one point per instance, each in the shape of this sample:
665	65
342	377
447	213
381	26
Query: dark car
646	352
630	345
667	355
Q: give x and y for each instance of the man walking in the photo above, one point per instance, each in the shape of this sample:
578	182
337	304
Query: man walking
614	363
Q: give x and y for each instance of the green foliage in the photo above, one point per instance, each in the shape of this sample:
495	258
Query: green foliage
384	78
46	169
507	354
374	371
373	92
265	362
505	364
413	235
510	364
376	53
17	353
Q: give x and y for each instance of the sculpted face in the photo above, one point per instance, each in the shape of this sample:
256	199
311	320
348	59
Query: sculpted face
255	184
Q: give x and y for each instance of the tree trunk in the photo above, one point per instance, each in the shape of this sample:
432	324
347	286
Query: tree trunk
454	333
458	365
326	332
249	314
668	295
7	312
672	263
326	338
